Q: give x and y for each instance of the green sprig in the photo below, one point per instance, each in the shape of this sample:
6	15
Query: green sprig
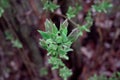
50	6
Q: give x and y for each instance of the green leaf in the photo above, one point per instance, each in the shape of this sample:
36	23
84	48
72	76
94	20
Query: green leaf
65	73
1	11
63	28
17	43
64	31
54	29
66	48
45	35
53	46
65	23
68	43
61	51
51	52
51	27
74	35
64	57
58	39
70	13
48	26
84	28
49	41
43	43
56	62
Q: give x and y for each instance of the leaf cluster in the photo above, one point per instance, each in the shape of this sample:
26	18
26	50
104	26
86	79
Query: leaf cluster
15	42
57	43
50	6
73	11
102	7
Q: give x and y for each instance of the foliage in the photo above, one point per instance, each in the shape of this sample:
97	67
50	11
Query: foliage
50	6
102	7
115	76
3	4
73	11
78	31
15	42
1	11
58	42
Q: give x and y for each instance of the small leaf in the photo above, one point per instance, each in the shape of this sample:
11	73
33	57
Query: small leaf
58	39
54	29
64	57
43	43
64	38
84	28
61	51
48	26
74	34
45	35
65	23
49	41
63	27
68	43
17	43
53	46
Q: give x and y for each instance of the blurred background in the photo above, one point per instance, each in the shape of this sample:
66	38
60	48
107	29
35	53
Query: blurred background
22	58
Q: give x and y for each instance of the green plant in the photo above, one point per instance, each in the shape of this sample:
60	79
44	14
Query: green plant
73	11
102	7
58	42
3	4
50	6
15	42
115	76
